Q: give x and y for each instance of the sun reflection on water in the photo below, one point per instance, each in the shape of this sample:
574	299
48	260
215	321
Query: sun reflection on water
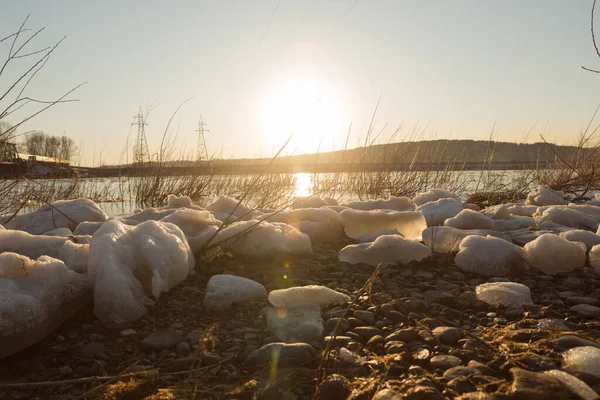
303	187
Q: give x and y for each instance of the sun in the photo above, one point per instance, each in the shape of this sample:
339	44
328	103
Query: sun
305	108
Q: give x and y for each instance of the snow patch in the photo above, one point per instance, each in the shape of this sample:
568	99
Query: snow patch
552	254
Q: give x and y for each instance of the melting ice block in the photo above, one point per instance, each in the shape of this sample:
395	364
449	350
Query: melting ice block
62	232
176	202
566	216
436	212
385	249
498	212
228	205
128	263
522	210
469	219
36	297
60	214
445	239
594	256
514	223
544	196
583	362
306	295
590	239
148	214
359	223
591	210
391	203
434	195
191	222
489	256
224	290
320	224
552	254
259	238
74	255
87	228
509	294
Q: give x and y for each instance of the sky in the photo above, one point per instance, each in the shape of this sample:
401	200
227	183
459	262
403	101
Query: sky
259	71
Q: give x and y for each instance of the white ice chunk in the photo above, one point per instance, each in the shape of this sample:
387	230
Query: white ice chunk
591	210
391	203
372	236
309	202
359	223
191	222
148	214
436	212
489	256
197	242
499	212
126	263
60	214
523	236
434	195
176	202
565	216
583	361
509	294
551	254
544	196
224	290
522	210
337	209
62	232
251	238
575	385
228	205
320	224
594	256
87	228
514	223
445	239
305	295
36	297
302	324
590	239
385	249
469	219
74	255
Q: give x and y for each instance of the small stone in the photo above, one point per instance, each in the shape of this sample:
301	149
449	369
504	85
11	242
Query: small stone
209	359
460	370
341	340
586	311
570	341
395	347
403	335
448	335
162	340
127	332
574	300
395	316
65	370
365	316
93	348
367	332
331	323
444	362
183	349
334	387
423	393
421	354
534	385
194	336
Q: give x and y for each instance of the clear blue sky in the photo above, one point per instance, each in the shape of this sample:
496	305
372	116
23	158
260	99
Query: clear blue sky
259	70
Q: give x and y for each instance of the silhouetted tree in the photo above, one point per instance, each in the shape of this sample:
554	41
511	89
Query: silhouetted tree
42	144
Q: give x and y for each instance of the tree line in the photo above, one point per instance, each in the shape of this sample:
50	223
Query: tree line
42	144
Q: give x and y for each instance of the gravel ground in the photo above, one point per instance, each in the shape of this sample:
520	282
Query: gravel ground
415	332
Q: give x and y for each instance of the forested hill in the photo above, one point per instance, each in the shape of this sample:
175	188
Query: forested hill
426	151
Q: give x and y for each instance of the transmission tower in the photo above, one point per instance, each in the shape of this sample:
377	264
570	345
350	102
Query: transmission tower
140	150
202	151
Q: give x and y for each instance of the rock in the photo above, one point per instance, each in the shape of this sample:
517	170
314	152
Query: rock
297	324
387	394
448	335
476	396
460	370
366	316
574	300
403	335
437	296
331	324
224	290
444	362
183	349
586	311
288	355
349	357
534	385
575	385
395	347
571	341
367	332
583	362
162	340
127	332
334	387
65	370
505	293
423	393
93	348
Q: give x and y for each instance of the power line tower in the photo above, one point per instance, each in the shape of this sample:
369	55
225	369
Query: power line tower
140	150
202	151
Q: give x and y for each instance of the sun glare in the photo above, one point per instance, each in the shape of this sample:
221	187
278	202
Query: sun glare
305	108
